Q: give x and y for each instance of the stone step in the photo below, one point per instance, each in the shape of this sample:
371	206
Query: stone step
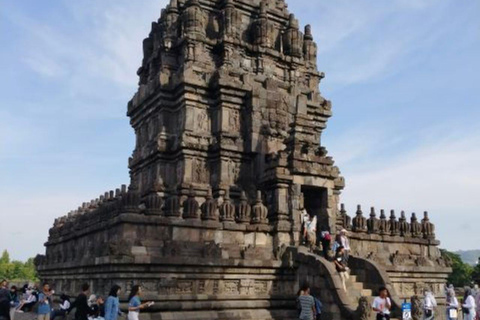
367	292
358	286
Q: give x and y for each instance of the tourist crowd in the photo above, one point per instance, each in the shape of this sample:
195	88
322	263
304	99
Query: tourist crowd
87	306
469	307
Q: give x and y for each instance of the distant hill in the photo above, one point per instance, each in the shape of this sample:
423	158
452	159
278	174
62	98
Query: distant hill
469	256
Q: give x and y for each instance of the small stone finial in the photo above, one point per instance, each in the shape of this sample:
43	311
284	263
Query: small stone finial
210	207
131	200
292	22
308	32
359	222
404	226
112	195
244	209
372	222
415	226
383	224
153	204
190	206
172	205
117	192
346	220
260	212
394	225
124	189
428	228
227	209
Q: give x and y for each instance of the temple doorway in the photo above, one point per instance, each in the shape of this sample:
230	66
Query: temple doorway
315	201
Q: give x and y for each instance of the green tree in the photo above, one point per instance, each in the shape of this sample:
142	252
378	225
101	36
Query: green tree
16	270
476	273
5	259
461	272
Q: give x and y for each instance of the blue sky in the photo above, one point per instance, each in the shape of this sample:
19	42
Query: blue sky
402	76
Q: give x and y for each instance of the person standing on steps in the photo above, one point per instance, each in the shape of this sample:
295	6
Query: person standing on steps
382	304
341	266
307	304
429	305
310	230
326	239
345	243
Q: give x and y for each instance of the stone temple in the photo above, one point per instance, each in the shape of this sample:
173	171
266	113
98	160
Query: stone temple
228	120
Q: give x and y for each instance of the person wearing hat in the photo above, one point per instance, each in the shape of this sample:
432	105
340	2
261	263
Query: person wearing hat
345	243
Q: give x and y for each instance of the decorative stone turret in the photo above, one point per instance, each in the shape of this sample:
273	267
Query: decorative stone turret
415	226
309	47
227	209
191	206
372	222
383	223
194	20
428	228
393	224
210	207
243	209
404	226
293	38
172	205
263	28
153	204
130	200
170	25
346	219
259	212
231	20
359	222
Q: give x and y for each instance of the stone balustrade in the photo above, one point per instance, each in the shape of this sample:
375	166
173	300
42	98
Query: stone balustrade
391	226
172	205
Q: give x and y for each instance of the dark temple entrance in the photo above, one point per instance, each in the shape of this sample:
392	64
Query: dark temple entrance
315	200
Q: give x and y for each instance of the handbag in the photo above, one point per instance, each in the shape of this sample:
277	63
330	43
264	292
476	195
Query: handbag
466	310
428	313
453	313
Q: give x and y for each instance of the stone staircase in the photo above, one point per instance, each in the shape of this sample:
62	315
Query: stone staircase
356	289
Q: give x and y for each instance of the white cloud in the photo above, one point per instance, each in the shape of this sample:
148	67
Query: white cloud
440	177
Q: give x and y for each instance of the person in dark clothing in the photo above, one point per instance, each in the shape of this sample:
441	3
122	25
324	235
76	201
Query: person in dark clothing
98	308
14	299
325	238
4	301
82	310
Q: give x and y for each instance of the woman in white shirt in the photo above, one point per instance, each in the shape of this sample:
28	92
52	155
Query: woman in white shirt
429	304
468	306
64	306
452	305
